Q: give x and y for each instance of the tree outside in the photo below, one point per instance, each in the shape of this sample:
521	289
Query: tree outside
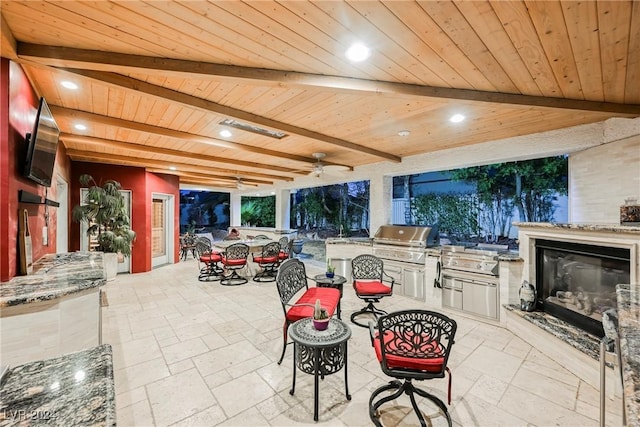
480	202
258	211
332	210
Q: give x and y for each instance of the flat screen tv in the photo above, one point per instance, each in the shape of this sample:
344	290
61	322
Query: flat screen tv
42	146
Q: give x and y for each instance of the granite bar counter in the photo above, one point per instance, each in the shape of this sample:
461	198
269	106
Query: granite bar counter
629	331
75	389
55	276
53	311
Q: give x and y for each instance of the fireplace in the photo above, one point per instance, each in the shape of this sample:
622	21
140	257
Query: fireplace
576	282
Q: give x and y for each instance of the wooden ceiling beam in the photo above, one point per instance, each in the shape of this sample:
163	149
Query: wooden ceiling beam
128	146
8	44
92	59
206	177
113	159
71	114
213	107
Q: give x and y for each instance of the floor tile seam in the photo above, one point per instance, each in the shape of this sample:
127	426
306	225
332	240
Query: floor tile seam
538	396
193	415
171	375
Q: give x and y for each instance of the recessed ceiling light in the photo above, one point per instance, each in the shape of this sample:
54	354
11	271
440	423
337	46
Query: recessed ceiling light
225	133
404	133
357	52
173	168
80	126
456	118
69	85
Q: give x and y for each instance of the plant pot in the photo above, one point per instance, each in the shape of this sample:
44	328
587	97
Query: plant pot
330	274
297	246
321	324
110	265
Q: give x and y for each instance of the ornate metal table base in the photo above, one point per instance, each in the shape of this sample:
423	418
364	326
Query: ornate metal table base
319	353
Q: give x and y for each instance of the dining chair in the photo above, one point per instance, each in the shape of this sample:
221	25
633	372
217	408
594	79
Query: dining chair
411	345
268	262
370	284
298	299
233	259
208	260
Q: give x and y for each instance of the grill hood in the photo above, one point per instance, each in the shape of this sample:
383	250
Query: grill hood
407	235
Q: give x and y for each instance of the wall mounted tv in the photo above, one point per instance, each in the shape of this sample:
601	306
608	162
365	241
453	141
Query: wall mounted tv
42	146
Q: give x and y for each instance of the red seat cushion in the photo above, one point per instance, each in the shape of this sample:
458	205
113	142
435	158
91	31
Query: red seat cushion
283	255
212	257
329	299
408	345
265	260
234	262
373	287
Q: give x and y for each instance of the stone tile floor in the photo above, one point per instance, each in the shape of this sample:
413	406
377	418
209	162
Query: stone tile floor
188	353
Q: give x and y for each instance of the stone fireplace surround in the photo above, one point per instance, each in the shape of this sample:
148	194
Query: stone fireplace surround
560	341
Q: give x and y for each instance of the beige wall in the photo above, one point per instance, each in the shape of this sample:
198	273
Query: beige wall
601	178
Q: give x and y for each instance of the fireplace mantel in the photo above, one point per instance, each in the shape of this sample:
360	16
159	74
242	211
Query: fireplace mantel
607	235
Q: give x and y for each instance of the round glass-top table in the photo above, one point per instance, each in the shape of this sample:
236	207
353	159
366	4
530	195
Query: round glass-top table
319	352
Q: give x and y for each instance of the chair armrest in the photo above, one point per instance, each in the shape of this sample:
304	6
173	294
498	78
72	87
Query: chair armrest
390	277
372	332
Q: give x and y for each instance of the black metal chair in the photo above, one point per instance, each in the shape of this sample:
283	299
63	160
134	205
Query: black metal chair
208	260
187	244
285	248
412	345
268	262
368	282
291	282
234	258
261	236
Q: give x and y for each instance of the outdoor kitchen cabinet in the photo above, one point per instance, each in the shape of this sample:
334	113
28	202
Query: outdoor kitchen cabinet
409	279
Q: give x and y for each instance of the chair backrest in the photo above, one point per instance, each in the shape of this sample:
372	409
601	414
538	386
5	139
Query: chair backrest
284	243
261	236
367	267
271	250
415	335
291	278
203	246
237	251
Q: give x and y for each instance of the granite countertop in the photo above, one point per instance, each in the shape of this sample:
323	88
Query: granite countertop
364	241
54	276
617	228
629	332
75	389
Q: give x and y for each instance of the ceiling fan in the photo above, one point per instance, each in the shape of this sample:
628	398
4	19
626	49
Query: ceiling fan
320	168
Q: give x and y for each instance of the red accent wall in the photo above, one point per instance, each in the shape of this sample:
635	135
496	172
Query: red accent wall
141	184
170	185
19	106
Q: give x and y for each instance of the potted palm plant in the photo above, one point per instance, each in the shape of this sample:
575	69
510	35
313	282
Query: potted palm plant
103	210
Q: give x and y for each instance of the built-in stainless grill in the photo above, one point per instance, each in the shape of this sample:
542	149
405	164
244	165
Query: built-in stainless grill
404	243
470	278
404	250
480	259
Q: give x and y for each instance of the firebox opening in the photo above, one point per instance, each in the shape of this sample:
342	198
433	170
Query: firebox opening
577	282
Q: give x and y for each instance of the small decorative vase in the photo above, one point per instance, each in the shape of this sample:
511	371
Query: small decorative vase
321	324
330	274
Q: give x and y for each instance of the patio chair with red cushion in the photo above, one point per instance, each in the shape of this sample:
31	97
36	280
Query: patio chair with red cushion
298	299
285	248
370	285
234	258
268	262
208	260
412	345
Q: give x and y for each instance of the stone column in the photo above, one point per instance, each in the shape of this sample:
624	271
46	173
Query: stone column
283	209
380	200
234	210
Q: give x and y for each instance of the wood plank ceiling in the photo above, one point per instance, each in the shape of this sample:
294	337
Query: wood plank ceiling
156	78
